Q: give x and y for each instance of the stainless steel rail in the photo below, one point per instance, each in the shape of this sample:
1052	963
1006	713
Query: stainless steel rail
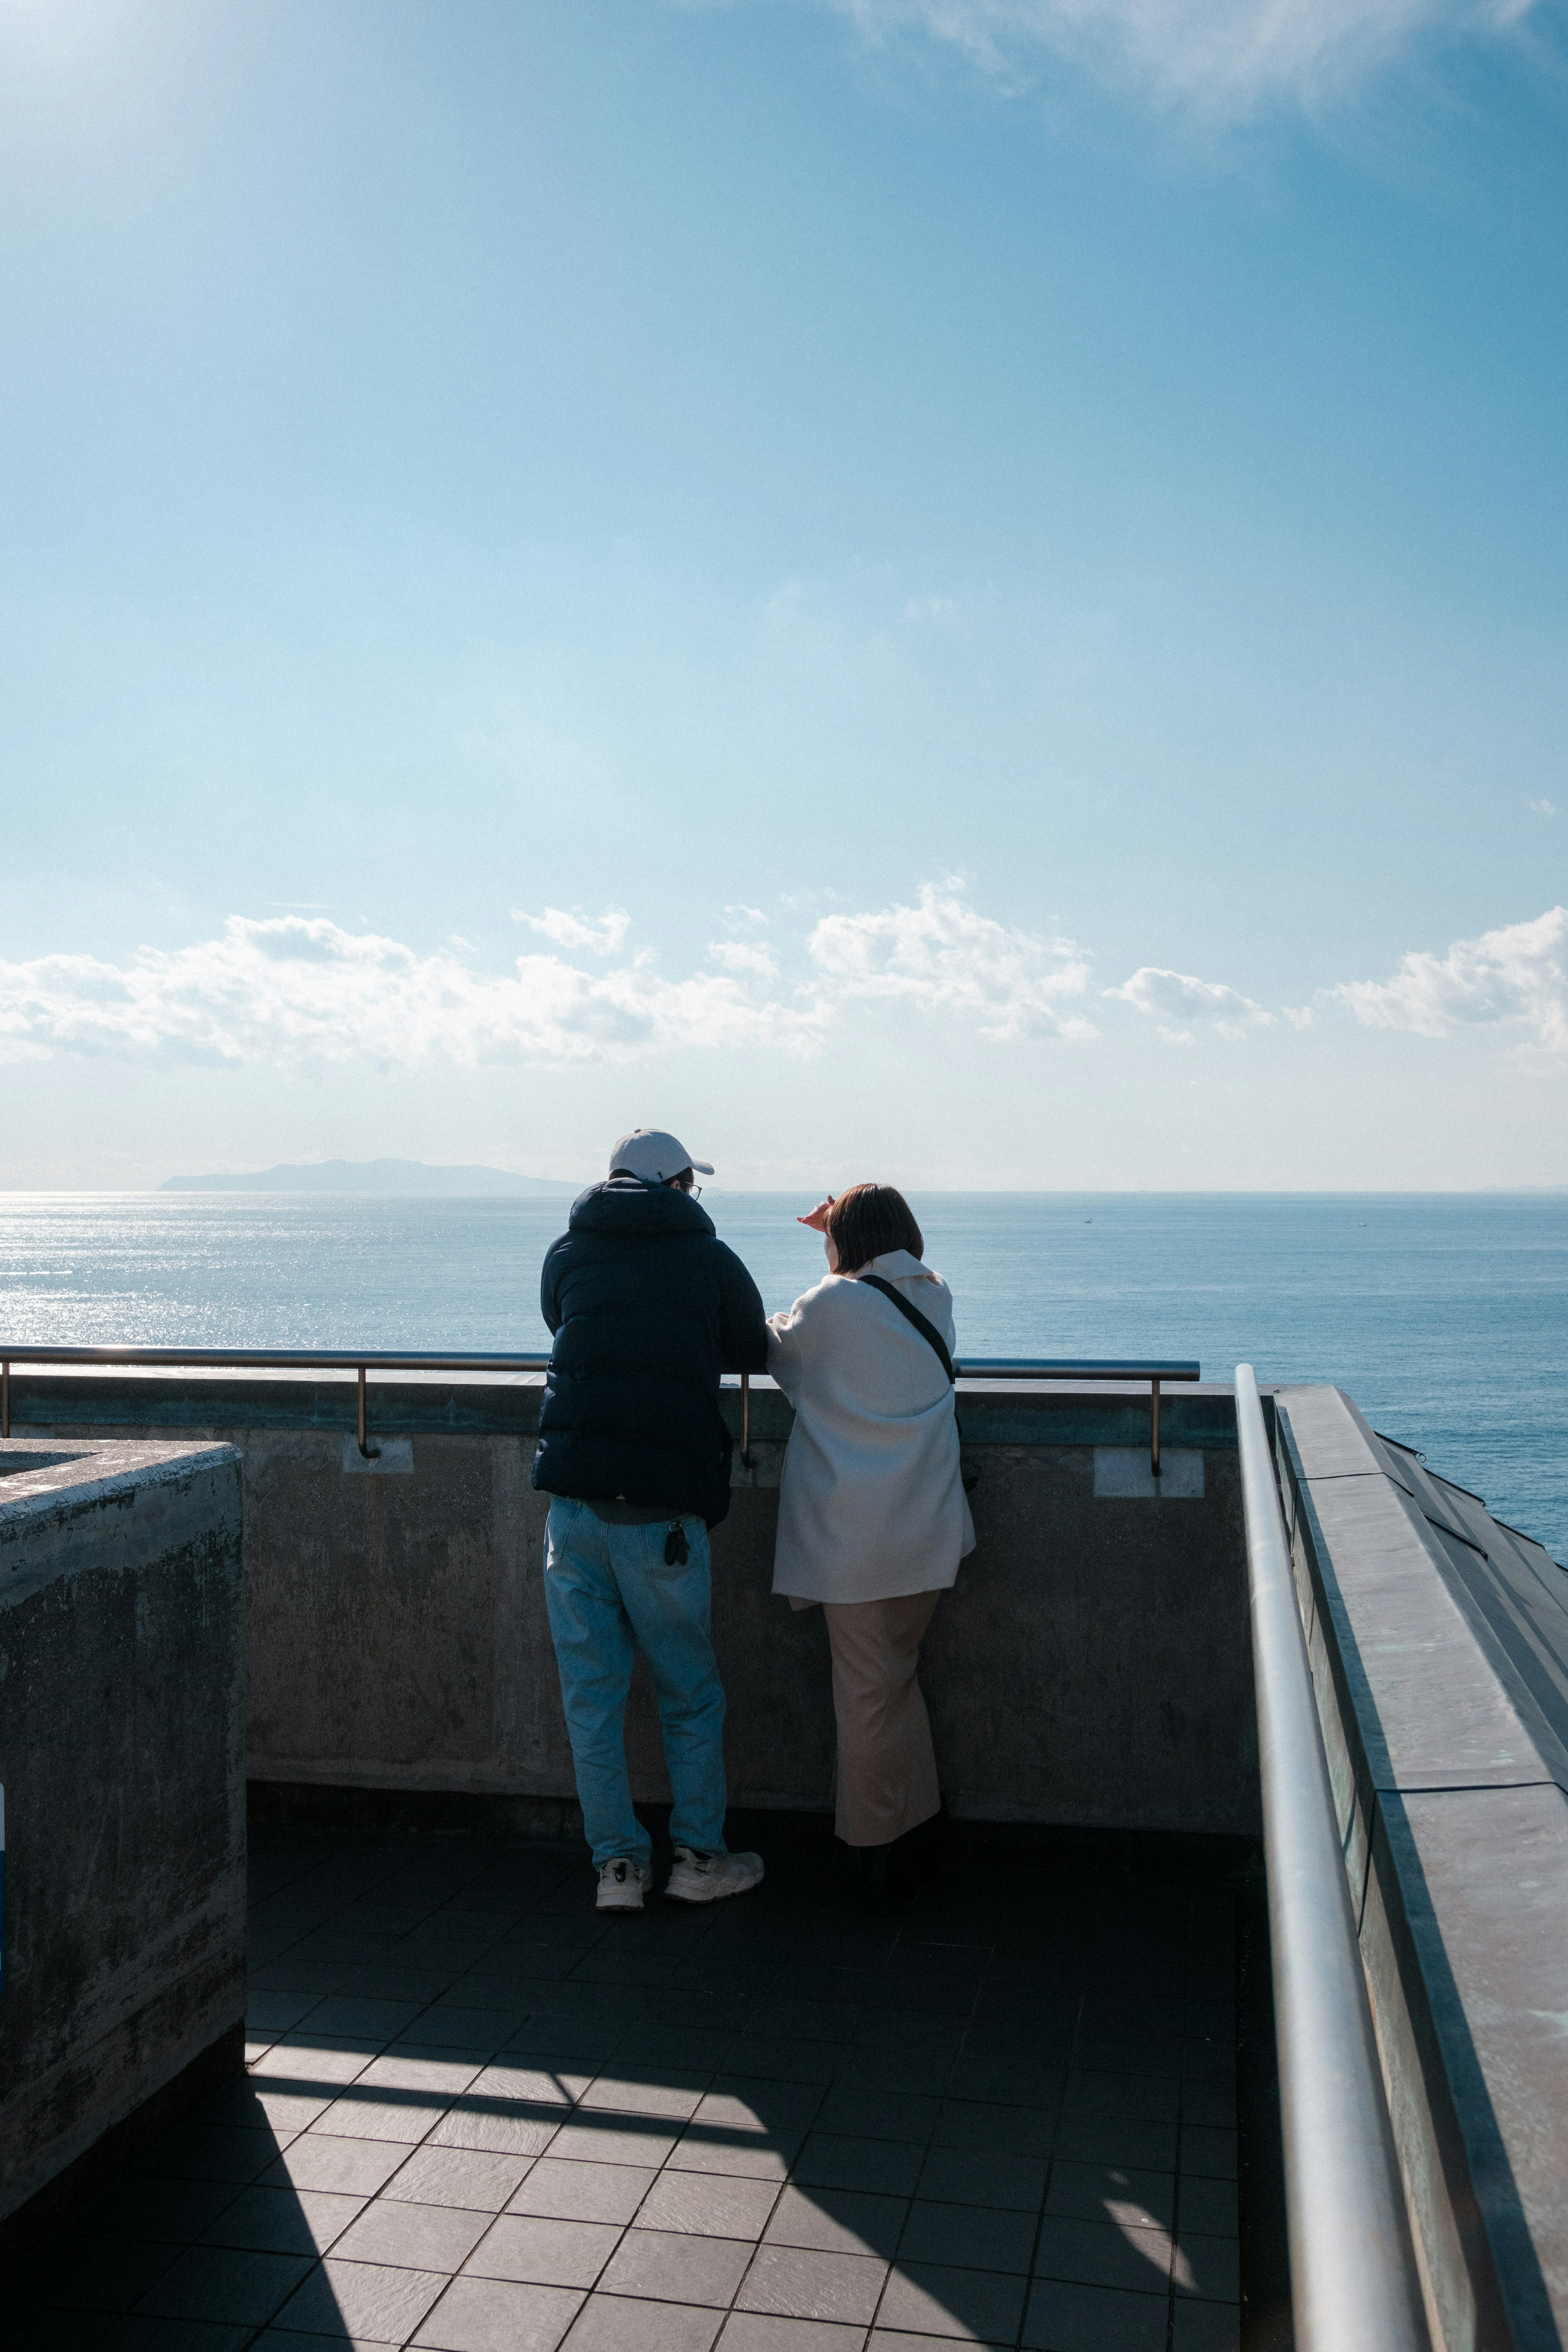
264	1360
1353	2282
360	1360
1063	1368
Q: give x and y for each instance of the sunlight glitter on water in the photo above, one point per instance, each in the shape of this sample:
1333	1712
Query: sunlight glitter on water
1444	1316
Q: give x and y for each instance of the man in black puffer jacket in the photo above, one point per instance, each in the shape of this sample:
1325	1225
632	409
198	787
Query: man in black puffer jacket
647	1307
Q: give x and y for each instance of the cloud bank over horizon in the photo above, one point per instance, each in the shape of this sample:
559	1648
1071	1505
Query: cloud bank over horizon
292	988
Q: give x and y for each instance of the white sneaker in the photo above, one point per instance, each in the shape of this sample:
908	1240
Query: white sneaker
622	1885
708	1877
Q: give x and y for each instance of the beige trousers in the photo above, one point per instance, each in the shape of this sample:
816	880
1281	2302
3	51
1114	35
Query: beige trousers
885	1780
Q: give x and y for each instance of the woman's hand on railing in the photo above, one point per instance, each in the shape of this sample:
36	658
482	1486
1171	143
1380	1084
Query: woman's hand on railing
817	1219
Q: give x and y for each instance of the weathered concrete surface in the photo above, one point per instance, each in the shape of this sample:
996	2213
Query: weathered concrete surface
1439	1642
121	1755
1092	1667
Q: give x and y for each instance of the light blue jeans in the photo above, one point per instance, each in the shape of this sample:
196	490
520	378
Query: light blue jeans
608	1591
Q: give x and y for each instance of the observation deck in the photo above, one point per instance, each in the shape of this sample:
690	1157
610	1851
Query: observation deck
1036	2105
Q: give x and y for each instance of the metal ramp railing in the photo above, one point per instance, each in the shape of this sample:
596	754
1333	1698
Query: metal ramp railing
1354	2286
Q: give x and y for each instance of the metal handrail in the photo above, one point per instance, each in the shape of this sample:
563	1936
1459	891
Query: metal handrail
345	1359
276	1359
363	1360
1353	2284
1099	1368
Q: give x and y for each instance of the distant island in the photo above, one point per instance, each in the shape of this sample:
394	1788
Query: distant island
371	1176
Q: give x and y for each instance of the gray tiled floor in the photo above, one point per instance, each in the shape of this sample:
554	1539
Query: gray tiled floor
478	2116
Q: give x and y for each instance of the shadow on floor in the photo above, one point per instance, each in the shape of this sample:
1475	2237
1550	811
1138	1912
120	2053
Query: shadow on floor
477	2114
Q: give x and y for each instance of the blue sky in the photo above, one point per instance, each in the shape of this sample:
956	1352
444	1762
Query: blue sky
1001	568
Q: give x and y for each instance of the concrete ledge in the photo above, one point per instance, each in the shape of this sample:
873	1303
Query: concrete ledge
1447	1753
122	1754
411	1405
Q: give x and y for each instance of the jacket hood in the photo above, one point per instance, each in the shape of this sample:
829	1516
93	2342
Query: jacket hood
628	1210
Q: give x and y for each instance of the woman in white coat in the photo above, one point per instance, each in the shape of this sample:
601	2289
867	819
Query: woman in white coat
873	1519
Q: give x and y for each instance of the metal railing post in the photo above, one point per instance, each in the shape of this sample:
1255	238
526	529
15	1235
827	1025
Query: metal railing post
746	1463
1352	2284
1154	1428
371	1452
5	1398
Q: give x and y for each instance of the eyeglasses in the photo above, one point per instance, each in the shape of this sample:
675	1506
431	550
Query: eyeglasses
694	1191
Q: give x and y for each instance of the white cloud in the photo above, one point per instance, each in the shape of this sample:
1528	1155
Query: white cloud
1518	975
288	989
744	918
941	956
1175	1000
1222	59
1542	807
293	987
603	938
738	956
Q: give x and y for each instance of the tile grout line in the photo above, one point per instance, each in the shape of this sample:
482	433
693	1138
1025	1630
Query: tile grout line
574	2107
320	2259
1176	2176
1050	2167
925	2155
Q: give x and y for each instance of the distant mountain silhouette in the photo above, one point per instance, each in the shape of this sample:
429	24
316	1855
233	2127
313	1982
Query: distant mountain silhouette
371	1176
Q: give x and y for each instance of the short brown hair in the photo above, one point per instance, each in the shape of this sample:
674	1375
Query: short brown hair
869	1220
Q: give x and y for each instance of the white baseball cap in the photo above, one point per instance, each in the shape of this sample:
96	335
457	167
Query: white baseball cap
655	1155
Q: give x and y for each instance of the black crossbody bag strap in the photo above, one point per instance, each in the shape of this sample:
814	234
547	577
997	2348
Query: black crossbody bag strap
927	1332
938	1346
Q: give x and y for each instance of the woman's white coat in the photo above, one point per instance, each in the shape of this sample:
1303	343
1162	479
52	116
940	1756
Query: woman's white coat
871	1503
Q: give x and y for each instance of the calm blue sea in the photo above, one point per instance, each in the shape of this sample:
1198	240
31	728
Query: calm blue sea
1443	1315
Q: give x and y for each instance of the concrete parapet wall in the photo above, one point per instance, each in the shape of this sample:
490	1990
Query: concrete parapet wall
1439	1641
1092	1667
122	1756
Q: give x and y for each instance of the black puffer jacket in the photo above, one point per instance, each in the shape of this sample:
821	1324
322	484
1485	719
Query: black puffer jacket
648	1307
